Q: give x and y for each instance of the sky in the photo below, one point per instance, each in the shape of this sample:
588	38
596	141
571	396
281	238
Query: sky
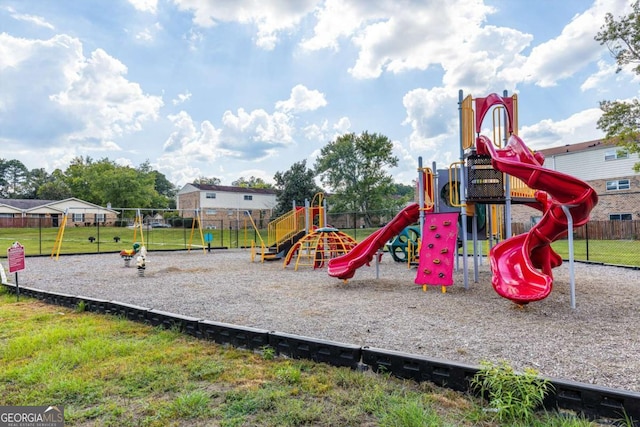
242	88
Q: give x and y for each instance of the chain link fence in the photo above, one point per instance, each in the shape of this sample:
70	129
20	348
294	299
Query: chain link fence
609	242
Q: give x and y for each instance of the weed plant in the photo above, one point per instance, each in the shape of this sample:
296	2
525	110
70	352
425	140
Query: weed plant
512	396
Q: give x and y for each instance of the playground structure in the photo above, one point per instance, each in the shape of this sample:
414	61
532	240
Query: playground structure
285	231
503	170
492	174
320	245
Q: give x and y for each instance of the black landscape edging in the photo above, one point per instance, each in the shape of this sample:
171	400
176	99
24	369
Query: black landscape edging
453	375
589	400
331	352
244	337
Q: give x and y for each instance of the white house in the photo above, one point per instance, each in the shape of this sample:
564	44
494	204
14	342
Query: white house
606	168
221	204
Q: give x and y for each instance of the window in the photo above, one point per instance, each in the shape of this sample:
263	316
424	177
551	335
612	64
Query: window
231	213
620	184
211	195
211	212
77	217
620	217
615	154
100	217
248	197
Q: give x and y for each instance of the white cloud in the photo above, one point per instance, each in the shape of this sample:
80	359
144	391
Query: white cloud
335	19
15	50
342	126
250	136
108	105
150	6
396	39
605	71
578	127
429	113
188	141
316	132
32	19
149	34
572	50
270	18
181	98
194	38
79	100
302	99
255	134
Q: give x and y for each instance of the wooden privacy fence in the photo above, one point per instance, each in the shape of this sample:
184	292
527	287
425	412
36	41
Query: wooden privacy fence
25	222
596	230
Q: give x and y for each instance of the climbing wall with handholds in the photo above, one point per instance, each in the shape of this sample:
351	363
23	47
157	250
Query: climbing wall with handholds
437	250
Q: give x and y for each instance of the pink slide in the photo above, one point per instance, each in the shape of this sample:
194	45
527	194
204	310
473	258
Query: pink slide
522	264
345	266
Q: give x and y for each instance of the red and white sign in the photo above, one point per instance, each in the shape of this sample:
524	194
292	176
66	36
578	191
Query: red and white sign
15	255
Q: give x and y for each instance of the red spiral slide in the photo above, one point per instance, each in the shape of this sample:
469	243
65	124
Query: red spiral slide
522	264
345	266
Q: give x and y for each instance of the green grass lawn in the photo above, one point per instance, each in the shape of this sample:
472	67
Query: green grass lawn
109	371
76	239
618	252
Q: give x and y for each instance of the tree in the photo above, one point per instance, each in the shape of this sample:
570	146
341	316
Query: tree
621	119
355	168
166	197
103	181
252	182
405	193
296	184
207	181
53	191
36	179
14	178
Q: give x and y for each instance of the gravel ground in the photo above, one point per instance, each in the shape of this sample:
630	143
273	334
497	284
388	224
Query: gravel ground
596	343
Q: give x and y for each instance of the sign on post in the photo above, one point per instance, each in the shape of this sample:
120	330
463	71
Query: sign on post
15	256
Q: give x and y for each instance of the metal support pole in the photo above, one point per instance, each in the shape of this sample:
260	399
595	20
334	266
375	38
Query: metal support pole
474	235
572	277
463	198
507	185
306	216
436	195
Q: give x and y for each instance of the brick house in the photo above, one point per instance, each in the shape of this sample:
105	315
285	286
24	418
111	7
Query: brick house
603	166
33	212
225	206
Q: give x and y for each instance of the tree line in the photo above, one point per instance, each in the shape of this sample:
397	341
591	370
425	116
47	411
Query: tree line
355	169
96	181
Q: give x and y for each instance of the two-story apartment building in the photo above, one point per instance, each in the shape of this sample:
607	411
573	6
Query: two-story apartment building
220	204
606	168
